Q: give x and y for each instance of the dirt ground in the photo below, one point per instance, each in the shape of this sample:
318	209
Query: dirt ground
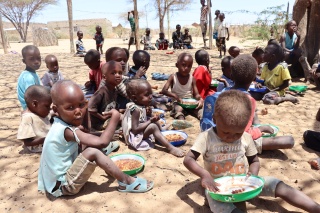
176	189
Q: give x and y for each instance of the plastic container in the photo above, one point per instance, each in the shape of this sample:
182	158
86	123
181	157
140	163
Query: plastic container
275	130
130	156
252	188
298	88
182	134
189	106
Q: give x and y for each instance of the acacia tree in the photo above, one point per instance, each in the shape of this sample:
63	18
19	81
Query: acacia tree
162	6
19	13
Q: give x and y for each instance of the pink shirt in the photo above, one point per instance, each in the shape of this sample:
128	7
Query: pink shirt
96	75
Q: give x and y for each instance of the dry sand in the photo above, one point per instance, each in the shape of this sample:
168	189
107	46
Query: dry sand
176	189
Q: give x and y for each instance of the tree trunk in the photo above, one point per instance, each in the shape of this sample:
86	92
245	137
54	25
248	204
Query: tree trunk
69	3
161	23
300	15
210	24
136	20
3	37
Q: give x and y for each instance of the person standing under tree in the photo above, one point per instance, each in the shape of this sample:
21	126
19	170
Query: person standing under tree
133	28
204	21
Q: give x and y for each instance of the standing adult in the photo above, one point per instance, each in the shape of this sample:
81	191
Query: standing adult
204	21
133	28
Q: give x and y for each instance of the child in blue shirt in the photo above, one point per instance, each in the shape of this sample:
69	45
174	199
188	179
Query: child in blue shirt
225	80
32	60
64	171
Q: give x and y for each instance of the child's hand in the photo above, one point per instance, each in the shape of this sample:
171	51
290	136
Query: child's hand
106	115
154	119
200	103
141	71
88	84
224	81
258	85
209	184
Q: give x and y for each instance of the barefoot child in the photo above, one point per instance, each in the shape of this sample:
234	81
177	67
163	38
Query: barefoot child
63	171
183	85
92	60
276	76
53	74
202	75
104	99
162	43
227	149
81	51
98	36
136	128
223	35
32	59
34	125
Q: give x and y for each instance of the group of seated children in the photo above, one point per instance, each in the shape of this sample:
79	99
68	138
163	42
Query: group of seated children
180	40
64	171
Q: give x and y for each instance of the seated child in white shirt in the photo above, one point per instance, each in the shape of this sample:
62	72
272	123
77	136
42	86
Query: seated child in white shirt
35	123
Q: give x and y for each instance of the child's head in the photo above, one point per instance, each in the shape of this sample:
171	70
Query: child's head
98	29
147	31
243	70
291	26
202	58
273	53
92	59
80	34
161	35
217	13
141	58
31	57
232	111
68	102
139	91
52	63
178	27
186	31
112	73
38	100
202	2
234	51
258	54
184	64
273	41
221	16
226	66
117	54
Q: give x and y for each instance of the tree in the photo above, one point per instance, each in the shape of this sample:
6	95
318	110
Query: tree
173	5
19	13
306	13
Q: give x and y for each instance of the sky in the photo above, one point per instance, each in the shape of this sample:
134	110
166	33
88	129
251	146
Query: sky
113	9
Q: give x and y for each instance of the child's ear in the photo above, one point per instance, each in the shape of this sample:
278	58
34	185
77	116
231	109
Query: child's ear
177	65
34	103
23	61
54	108
214	119
133	97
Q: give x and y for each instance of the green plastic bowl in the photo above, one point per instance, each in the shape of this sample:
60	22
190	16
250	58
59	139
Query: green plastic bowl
298	88
189	106
214	83
275	130
253	187
130	156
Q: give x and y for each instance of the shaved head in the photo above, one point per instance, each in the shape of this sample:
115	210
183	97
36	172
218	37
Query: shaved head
64	88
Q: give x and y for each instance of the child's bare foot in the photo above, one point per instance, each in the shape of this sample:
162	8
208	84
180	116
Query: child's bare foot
315	163
290	98
264	111
176	151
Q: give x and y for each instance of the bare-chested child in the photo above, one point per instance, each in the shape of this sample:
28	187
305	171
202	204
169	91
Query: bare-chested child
34	125
136	128
183	85
63	170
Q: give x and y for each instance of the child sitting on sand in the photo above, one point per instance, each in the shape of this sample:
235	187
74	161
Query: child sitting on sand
104	99
183	85
32	59
227	149
35	124
162	43
136	128
81	51
53	74
146	41
141	60
225	80
187	39
92	60
276	76
258	54
202	75
234	51
63	171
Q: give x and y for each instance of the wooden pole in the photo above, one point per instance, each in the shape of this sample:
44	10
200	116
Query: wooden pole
287	15
136	20
210	24
69	3
168	19
3	37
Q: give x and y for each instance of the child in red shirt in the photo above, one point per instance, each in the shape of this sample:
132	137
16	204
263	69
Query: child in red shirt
92	60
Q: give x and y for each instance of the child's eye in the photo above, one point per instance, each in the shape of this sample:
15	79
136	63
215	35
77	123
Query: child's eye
70	107
82	105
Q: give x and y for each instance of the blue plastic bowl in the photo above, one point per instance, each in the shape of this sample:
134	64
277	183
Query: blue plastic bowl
176	143
159	112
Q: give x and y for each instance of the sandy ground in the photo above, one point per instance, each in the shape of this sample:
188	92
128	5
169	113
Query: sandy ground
176	189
